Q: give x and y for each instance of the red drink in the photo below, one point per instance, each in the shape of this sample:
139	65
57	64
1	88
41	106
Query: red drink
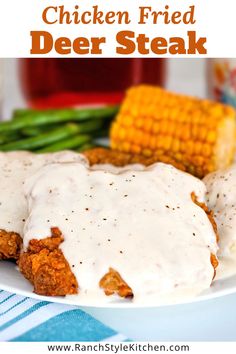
49	83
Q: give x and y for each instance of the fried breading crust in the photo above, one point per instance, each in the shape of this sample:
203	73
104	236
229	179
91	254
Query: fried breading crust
120	159
112	283
45	266
10	245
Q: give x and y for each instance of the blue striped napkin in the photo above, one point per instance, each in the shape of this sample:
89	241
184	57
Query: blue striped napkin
25	319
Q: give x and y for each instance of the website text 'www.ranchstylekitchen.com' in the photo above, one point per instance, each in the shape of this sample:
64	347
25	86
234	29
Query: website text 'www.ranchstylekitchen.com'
118	348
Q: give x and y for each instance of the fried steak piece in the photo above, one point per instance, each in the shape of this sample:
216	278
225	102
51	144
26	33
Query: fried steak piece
121	159
10	245
45	266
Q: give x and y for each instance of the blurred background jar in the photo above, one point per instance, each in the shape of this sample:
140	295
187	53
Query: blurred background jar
49	83
222	80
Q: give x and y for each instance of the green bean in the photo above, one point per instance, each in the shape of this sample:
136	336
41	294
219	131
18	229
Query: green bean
85	127
43	139
35	131
8	137
67	144
90	126
20	112
39	118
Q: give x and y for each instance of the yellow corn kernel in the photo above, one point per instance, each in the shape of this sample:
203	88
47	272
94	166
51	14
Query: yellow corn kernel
200	134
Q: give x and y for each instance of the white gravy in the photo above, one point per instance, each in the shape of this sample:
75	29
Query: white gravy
116	170
15	167
141	222
227	266
221	198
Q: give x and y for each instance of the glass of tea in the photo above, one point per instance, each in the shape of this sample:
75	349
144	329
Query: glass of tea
51	83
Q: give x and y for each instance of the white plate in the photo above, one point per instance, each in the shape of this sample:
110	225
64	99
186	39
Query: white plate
197	320
11	280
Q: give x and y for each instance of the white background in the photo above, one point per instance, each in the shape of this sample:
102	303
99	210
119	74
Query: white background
215	20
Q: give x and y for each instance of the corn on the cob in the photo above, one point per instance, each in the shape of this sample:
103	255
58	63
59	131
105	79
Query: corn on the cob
154	122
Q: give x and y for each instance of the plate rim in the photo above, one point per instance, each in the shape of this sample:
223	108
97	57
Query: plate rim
218	289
